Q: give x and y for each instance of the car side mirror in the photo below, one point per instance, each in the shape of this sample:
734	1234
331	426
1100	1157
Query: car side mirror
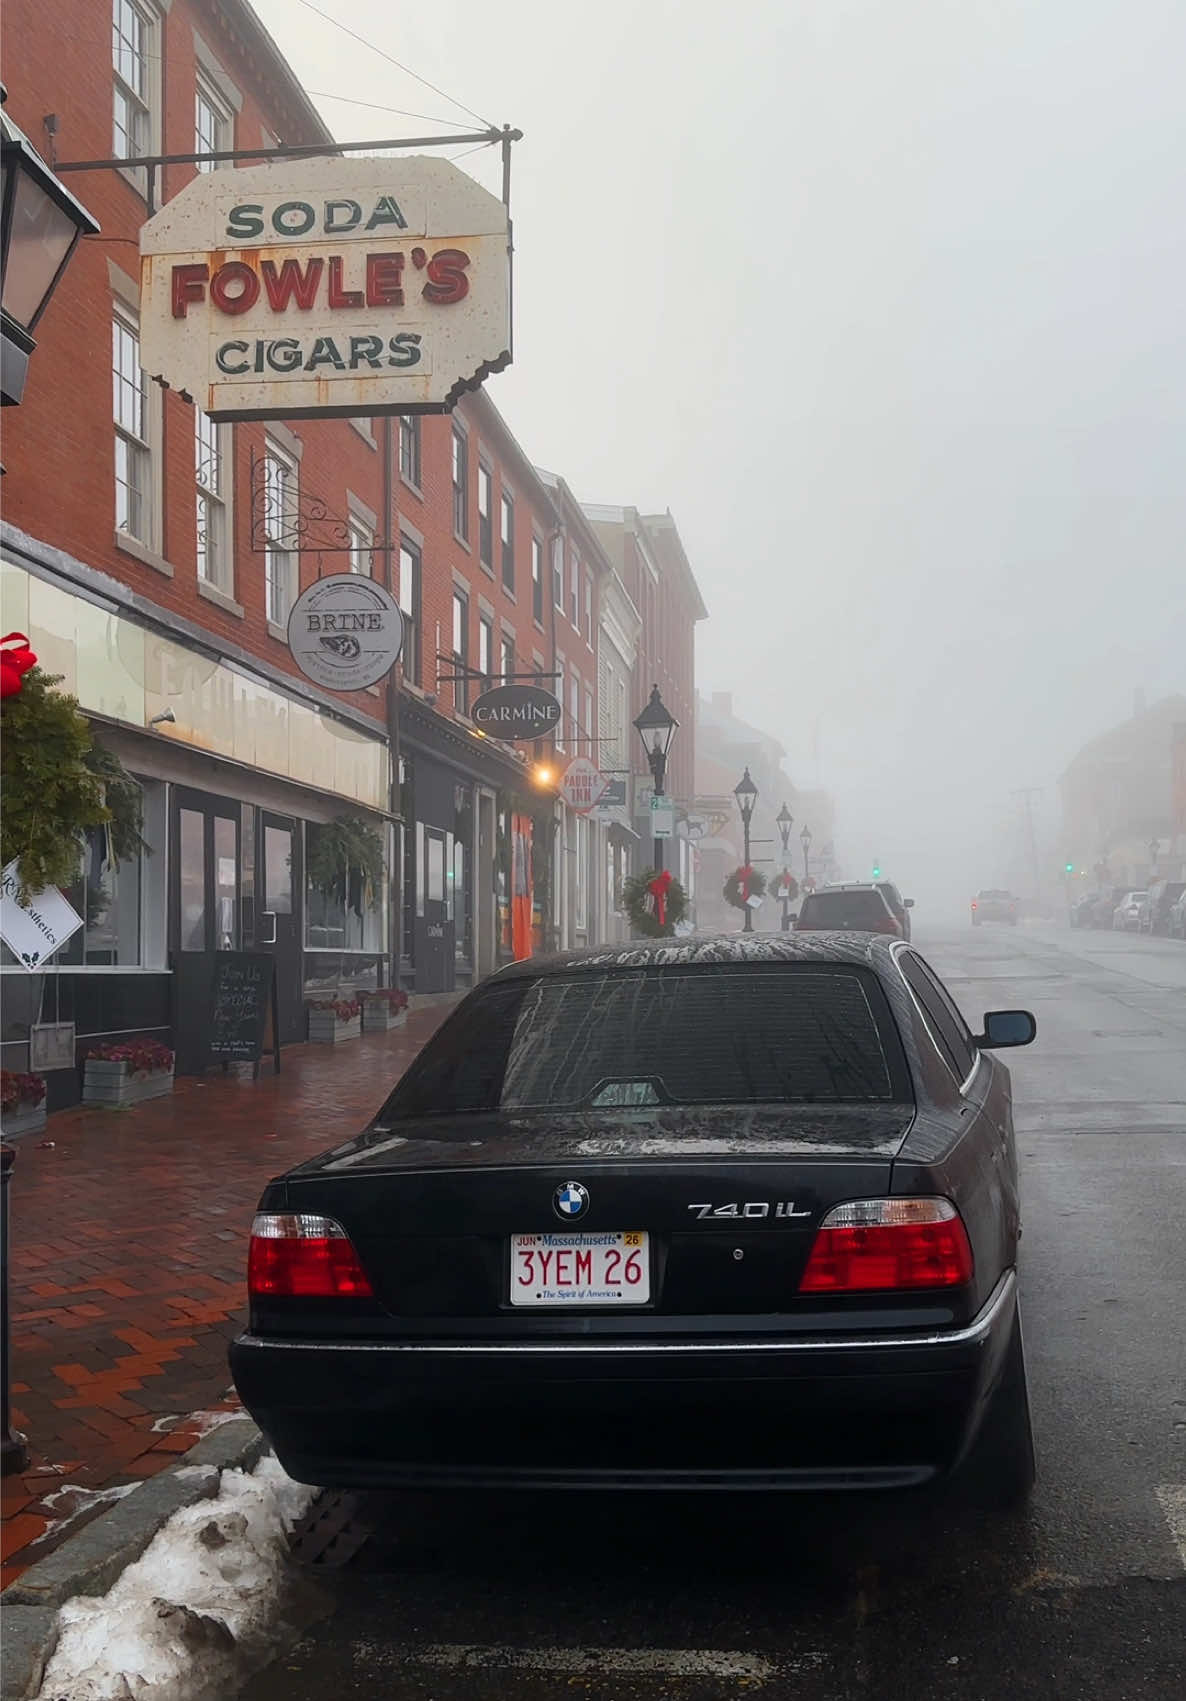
909	903
1005	1028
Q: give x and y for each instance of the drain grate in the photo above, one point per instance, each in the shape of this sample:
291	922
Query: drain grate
331	1533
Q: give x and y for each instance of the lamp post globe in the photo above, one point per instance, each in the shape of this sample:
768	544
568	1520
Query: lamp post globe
40	224
657	728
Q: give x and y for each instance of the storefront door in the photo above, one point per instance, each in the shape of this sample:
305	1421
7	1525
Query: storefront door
435	965
280	884
204	910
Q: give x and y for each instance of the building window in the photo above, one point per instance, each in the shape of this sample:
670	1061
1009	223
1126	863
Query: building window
506	661
588	608
537	580
574	705
485	517
210	475
508	541
485	647
558	573
558	687
409	448
280	508
460	485
213	129
361	544
107	897
135	59
589	719
349	917
574	605
460	650
133	456
409	602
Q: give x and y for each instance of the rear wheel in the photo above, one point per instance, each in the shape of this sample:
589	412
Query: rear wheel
1002	1466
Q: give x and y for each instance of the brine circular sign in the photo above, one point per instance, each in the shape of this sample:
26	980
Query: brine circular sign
516	711
345	632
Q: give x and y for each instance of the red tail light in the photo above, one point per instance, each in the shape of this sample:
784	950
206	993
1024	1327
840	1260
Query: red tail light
879	1245
304	1257
975	905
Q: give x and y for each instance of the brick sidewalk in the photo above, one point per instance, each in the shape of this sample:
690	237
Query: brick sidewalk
128	1261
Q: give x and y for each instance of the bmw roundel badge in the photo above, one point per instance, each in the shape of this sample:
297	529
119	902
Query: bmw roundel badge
570	1200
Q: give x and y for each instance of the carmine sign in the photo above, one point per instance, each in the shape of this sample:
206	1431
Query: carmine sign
326	287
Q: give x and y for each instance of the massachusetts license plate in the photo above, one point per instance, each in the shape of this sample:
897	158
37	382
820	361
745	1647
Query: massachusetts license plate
611	1268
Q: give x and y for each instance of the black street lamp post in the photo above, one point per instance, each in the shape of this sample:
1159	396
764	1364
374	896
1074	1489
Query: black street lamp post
746	793
40	224
805	841
785	822
657	726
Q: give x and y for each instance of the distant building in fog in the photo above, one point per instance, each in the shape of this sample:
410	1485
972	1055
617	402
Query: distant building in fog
1124	797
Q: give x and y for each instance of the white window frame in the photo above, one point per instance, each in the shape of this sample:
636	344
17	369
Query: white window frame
281	569
361	527
485	644
134	434
214	503
574	606
486	490
581	876
207	93
558	574
558	685
588	607
143	101
506	655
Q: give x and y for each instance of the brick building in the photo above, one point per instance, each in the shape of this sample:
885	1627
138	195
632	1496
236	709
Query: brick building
153	556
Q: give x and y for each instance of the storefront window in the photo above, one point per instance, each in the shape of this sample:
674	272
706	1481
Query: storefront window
192	879
107	897
462	907
347	918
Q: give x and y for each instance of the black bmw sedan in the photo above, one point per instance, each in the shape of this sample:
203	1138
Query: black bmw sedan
712	1213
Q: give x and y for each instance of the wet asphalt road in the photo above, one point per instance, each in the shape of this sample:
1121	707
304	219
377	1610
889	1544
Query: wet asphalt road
1084	1596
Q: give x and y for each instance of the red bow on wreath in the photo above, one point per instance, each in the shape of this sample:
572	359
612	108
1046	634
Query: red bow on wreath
659	888
14	662
746	874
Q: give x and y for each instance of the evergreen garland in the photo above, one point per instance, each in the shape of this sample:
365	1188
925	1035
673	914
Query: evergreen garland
339	849
58	786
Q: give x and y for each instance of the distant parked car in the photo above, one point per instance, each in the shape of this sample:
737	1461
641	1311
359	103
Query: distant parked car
1083	909
1163	895
1126	917
854	907
1176	921
901	906
1105	908
993	904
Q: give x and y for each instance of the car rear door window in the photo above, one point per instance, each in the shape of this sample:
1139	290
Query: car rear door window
862	910
947	1025
729	1035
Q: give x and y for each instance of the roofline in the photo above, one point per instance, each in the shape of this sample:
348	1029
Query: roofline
244	15
572	511
666	522
479	405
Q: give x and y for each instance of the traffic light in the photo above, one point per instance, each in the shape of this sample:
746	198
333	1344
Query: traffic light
1070	867
877	871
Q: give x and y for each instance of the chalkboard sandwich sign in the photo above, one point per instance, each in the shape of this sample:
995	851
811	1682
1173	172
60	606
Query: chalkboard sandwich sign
243	1024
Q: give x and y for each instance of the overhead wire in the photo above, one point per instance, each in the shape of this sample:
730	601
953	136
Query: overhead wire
377	106
372	47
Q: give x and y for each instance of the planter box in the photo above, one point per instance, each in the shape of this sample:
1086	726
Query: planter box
112	1084
25	1119
378	1017
325	1029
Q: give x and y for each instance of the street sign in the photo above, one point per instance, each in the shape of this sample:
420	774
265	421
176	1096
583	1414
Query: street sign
583	785
34	929
346	632
611	805
516	711
662	819
697	827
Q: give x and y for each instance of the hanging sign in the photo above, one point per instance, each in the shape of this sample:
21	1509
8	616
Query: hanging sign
611	805
34	929
326	288
345	632
662	818
516	711
583	784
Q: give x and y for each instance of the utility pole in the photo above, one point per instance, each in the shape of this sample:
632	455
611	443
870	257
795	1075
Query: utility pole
1027	795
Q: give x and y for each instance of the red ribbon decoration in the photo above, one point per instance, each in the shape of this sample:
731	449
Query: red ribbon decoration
659	888
746	875
14	663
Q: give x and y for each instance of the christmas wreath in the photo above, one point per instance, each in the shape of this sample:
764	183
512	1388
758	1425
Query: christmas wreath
743	884
655	904
344	860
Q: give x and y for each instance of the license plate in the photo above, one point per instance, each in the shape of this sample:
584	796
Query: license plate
610	1268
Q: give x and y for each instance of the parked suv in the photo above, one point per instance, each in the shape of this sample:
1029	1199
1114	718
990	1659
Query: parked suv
1177	919
1126	917
901	906
848	908
992	904
1163	895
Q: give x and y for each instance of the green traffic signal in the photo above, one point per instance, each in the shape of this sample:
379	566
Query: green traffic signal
876	871
1070	867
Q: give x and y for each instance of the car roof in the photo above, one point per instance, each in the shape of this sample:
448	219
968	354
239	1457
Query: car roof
871	950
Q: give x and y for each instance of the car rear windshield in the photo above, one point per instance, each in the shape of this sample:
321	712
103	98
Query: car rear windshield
630	1040
843	909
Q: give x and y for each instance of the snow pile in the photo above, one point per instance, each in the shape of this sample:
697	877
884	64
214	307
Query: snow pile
199	1609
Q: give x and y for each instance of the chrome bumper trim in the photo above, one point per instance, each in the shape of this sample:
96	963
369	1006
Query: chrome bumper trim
972	1334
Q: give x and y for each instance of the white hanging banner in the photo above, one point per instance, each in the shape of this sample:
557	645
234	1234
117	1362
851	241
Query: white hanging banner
33	930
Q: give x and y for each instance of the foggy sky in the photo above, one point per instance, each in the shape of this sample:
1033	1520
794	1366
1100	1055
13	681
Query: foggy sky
884	299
